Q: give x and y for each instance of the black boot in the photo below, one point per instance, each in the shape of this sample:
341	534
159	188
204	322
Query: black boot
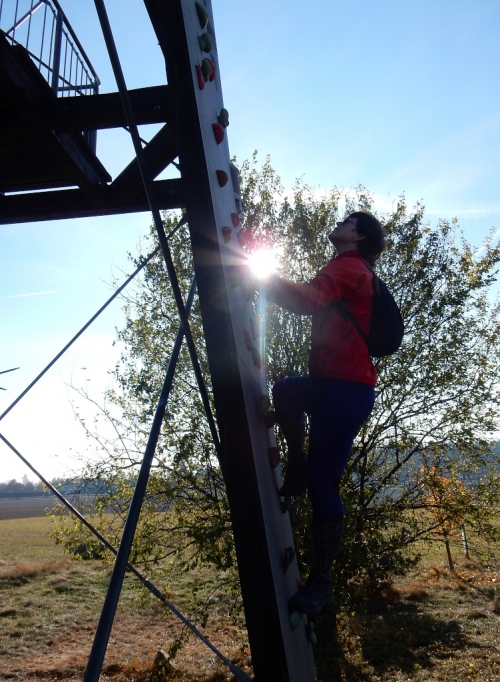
318	590
296	471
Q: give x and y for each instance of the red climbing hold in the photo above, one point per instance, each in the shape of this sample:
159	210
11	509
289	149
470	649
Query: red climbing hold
285	560
226	234
222	177
274	457
200	77
218	132
235	218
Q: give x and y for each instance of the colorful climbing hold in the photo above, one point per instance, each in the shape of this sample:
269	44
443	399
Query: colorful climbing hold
257	360
202	13
248	340
310	634
274	457
295	618
233	276
236	219
264	402
242	238
249	293
254	328
206	42
222	177
218	132
226	234
212	70
291	553
285	561
223	118
200	77
206	68
235	177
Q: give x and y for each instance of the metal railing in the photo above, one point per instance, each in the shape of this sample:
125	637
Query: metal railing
41	27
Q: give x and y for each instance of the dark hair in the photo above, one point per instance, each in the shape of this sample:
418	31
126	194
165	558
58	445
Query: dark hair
373	245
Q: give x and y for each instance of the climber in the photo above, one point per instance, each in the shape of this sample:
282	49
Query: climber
338	393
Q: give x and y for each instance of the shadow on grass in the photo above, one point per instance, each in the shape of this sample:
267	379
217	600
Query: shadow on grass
395	636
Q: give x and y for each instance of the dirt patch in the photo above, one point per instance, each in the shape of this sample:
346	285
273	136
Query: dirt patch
24	507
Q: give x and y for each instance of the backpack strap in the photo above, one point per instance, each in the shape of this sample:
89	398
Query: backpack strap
346	315
349	317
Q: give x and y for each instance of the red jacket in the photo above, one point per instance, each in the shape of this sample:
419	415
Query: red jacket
337	350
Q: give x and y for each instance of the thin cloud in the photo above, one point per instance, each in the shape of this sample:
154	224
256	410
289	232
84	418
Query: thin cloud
495	236
36	293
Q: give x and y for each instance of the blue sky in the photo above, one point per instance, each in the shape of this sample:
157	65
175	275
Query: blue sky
398	96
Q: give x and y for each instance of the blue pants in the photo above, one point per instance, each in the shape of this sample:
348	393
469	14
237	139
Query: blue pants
337	410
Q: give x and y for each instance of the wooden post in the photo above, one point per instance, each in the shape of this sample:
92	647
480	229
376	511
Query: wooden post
261	530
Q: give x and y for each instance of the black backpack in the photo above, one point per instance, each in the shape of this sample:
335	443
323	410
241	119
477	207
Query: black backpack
386	324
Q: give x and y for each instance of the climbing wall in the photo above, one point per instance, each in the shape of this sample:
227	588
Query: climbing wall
262	532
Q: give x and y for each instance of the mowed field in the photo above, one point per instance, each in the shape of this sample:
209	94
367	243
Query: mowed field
430	625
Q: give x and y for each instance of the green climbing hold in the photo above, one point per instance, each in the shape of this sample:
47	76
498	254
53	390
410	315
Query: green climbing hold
206	68
264	402
256	357
206	42
202	13
310	634
223	118
248	340
291	553
295	618
254	328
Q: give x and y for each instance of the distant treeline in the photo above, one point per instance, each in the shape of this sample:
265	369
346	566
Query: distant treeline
66	487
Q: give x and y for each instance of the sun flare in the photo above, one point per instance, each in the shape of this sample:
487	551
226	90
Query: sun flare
263	262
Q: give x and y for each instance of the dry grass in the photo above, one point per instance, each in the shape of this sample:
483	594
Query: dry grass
50	606
431	625
20	572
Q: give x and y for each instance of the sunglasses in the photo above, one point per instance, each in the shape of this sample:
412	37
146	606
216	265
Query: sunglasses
348	220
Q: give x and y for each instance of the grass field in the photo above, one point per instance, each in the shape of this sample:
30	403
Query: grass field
49	609
430	625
